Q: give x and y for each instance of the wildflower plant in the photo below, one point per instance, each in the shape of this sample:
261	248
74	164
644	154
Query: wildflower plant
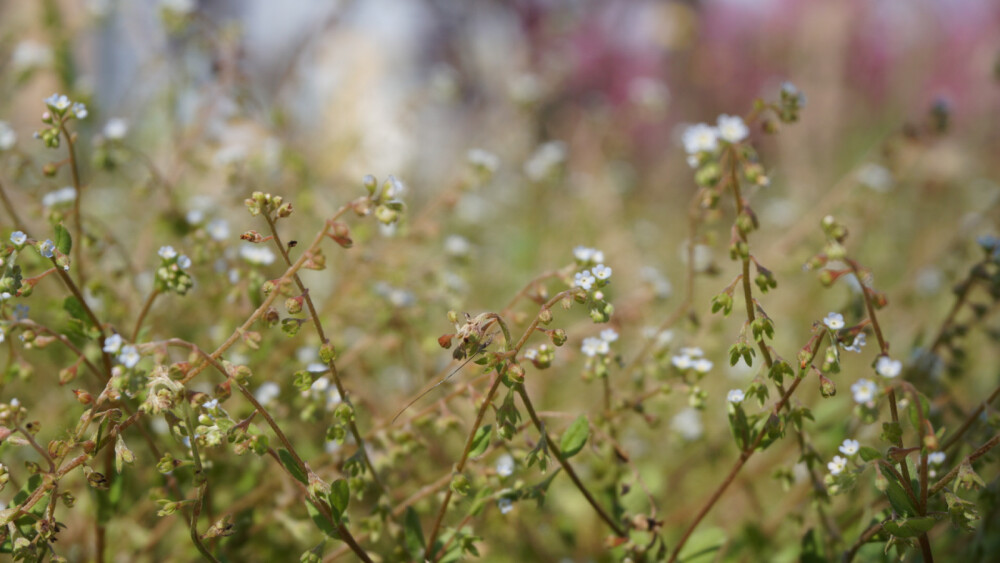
327	369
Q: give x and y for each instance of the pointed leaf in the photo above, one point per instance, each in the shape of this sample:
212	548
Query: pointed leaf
340	496
292	466
480	441
575	437
64	242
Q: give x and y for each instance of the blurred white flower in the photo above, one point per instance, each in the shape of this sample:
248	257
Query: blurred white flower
835	321
700	138
59	197
735	396
887	367
8	137
732	129
505	465
849	447
837	465
688	424
864	391
257	254
30	54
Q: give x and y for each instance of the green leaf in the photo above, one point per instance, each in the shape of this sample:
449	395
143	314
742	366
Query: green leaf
480	441
413	535
321	521
909	527
64	242
914	415
575	437
891	432
292	466
898	498
868	453
340	496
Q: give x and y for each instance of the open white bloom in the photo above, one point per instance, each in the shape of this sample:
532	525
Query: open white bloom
505	465
835	321
167	252
584	279
682	361
60	196
864	391
30	54
601	272
609	335
505	505
58	102
692	351
113	344
80	110
849	447
732	129
184	262
457	245
255	254
858	344
936	458
47	248
688	424
594	347
18	238
700	138
7	136
218	229
837	465
887	367
545	160
267	392
735	396
484	160
701	365
129	356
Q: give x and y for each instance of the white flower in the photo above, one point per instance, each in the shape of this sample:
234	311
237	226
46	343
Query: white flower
485	160
835	321
58	102
700	138
60	196
7	136
167	252
211	404
601	272
267	392
876	177
457	245
531	354
47	248
682	361
129	356
849	447
505	505
688	424
692	161
887	367
701	365
30	54
116	128
79	110
218	229
184	262
584	279
692	351
545	160
594	347
505	465
864	391
732	129
113	344
858	344
936	458
735	396
609	335
256	254
837	465
18	238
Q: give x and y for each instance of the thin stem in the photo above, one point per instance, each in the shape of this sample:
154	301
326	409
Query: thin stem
971	458
77	202
68	281
199	475
41	451
616	527
487	401
142	314
18	223
954	438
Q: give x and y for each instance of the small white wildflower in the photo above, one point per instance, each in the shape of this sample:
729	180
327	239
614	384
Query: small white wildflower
218	229
701	365
505	465
167	252
267	392
858	344
80	110
732	129
211	404
688	424
887	367
8	137
594	347
30	54
129	356
505	505
58	102
700	138
113	344
116	128
849	447
876	177
457	245
546	159
184	262
735	396
837	465
692	351
936	458
47	248
531	354
256	254
601	272
682	361
864	391
18	238
583	254
483	159
195	216
609	335
835	321
584	279
60	196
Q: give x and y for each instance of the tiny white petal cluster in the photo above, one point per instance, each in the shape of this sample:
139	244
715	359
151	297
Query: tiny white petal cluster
702	365
864	391
60	196
457	245
116	128
8	137
505	465
700	138
483	159
545	160
167	252
609	335
834	321
113	344
849	447
595	347
255	254
688	424
18	238
732	129
218	229
79	110
58	102
601	272
735	396
267	392
184	262
936	458
887	367
505	505
129	356
586	255
858	344
47	248
837	465
691	357
584	279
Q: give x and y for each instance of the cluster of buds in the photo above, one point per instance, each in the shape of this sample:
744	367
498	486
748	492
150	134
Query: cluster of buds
472	335
386	199
60	110
171	274
162	392
273	206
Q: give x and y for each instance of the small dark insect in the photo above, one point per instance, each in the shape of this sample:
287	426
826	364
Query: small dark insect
293	243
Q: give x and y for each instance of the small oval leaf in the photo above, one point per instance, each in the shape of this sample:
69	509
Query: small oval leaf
575	437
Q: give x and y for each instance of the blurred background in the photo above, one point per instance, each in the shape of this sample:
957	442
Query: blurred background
582	103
